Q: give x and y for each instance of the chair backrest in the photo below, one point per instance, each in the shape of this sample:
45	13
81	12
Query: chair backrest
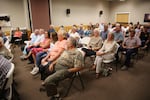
9	77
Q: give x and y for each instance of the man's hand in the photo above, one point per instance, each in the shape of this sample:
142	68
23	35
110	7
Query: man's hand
51	67
99	53
45	50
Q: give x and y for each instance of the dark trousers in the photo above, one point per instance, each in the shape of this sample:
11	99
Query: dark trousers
44	71
39	57
13	39
88	52
128	55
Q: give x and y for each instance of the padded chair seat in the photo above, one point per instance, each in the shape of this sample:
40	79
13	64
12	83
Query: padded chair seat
108	61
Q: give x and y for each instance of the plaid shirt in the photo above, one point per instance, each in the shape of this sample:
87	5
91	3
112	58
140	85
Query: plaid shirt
5	66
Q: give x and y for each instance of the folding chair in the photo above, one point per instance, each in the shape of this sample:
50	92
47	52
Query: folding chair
11	59
75	75
8	85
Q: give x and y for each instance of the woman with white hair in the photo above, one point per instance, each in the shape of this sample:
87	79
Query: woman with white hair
107	52
94	45
4	51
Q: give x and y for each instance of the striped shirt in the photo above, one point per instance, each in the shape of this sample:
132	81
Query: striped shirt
5	66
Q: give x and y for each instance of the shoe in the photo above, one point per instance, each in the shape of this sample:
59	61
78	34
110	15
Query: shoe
30	62
55	98
93	68
35	71
97	75
124	68
23	57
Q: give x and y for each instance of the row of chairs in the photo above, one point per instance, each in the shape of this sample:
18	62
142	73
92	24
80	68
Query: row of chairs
8	90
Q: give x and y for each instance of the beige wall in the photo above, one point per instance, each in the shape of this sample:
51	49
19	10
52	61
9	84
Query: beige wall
82	11
15	9
136	8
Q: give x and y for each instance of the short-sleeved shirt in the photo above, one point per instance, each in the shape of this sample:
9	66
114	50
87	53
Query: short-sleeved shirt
75	35
103	34
70	59
131	42
40	38
118	36
33	38
58	45
5	66
95	42
18	34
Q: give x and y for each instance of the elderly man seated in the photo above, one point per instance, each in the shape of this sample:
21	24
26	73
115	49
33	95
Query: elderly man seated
4	51
69	62
130	45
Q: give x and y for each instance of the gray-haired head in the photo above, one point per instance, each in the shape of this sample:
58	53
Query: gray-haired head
73	41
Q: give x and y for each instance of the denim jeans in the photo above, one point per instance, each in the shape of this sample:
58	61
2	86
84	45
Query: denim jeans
39	57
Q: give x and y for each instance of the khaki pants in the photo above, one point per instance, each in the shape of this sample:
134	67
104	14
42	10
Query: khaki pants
99	59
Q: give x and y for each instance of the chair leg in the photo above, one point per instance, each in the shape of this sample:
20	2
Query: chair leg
70	85
116	66
81	80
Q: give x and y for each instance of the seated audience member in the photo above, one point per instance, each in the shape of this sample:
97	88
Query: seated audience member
81	31
107	52
75	34
69	62
101	26
145	38
88	31
39	39
51	29
118	35
5	66
4	51
109	27
130	45
2	34
104	33
97	26
33	38
43	45
54	53
36	43
16	35
94	44
42	54
137	30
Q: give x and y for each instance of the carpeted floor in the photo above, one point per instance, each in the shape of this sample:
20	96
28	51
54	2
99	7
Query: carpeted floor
133	84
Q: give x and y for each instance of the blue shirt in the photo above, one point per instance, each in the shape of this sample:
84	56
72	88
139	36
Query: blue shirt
118	36
103	35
